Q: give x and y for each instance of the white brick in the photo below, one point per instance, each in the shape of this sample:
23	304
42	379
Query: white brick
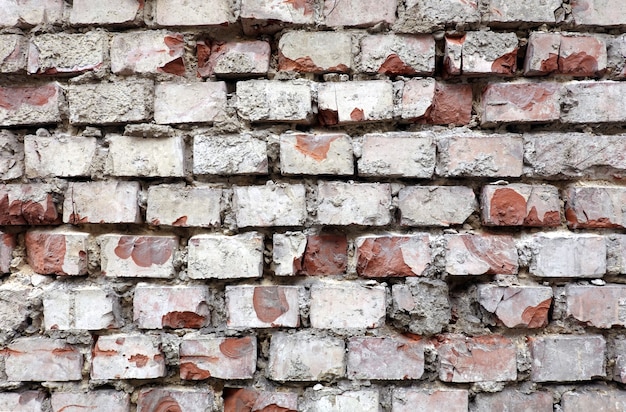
184	206
435	205
42	359
354	203
315	52
101	202
290	101
66	53
397	54
146	157
225	257
229	155
46	156
355	101
288	248
270	205
262	306
26	105
137	256
533	11
158	307
127	357
95	401
316	154
86	307
189	102
396	154
223	358
194	13
366	400
568	255
109	12
31	12
156	51
260	11
27	401
13	49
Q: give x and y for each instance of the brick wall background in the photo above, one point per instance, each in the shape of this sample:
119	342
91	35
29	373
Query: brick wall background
312	205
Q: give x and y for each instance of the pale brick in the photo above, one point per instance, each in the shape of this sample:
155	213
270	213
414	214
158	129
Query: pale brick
291	101
533	11
430	102
233	59
395	358
30	105
481	155
137	256
27	401
96	401
28	204
176	103
603	400
597	13
394	54
66	53
365	400
567	358
360	13
489	358
520	204
229	155
316	154
392	255
619	370
420	306
418	97
270	205
58	252
46	156
565	54
517	306
202	357
542	53
16	302
315	52
146	157
155	51
225	257
259	400
31	12
481	53
194	13
426	16
86	307
109	12
347	305
470	254
288	252
520	102
296	357
42	359
595	207
127	356
262	306
411	400
568	255
11	156
184	206
354	203
13	49
355	102
397	154
513	400
102	202
159	307
597	306
110	103
435	205
271	15
8	243
606	97
616	55
184	398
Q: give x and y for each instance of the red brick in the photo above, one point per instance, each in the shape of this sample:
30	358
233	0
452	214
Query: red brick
175	399
8	242
489	358
573	55
347	305
315	52
102	202
360	13
595	399
158	307
57	252
513	400
233	59
126	356
470	56
202	357
393	54
251	306
394	357
469	254
324	255
42	359
28	204
517	306
441	103
521	204
597	306
411	400
393	256
592	207
268	16
520	102
30	105
259	401
137	256
109	400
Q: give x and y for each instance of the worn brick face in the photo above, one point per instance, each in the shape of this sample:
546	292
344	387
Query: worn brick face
125	356
185	399
42	359
520	204
517	306
111	400
469	254
202	357
385	358
30	105
316	154
393	256
355	102
407	400
176	307
262	306
137	256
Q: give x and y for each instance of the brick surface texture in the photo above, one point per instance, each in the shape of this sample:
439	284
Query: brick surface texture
312	205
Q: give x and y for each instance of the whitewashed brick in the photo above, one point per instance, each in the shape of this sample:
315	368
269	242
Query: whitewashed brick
137	256
436	205
262	306
316	154
158	307
355	101
87	307
26	105
189	102
288	248
229	155
184	206
397	54
96	401
146	157
270	205
366	400
291	101
315	52
223	358
42	359
126	356
194	13
30	13
46	156
155	51
27	401
225	257
396	154
109	12
568	255
354	203
11	156
187	399
13	49
101	202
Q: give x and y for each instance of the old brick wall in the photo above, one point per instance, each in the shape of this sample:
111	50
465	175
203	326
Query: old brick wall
312	205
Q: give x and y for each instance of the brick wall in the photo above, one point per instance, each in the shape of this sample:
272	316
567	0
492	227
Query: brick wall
312	205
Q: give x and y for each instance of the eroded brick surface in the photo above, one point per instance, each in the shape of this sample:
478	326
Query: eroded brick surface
202	357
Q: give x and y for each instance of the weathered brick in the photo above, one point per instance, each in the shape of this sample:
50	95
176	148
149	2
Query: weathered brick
16	302
146	157
355	102
347	305
202	357
194	13
595	207
233	59
271	15
315	52
176	103
604	400
183	398
66	53
397	54
42	359
601	307
354	203
127	356
569	255
28	204
8	243
229	155
46	156
470	254
295	357
148	52
394	357
298	254
619	370
85	307
158	307
597	13
427	16
184	206
259	400
59	252
488	358
271	205
31	13
110	12
520	102
97	400
364	400
520	204
315	154
567	358
13	49
517	306
435	205
481	53
262	306
565	54
616	254
392	255
110	103
616	55
503	12
542	53
291	101
396	154
11	156
137	256
605	96
420	305
27	401
410	400
30	105
225	257
418	98
513	400
101	202
360	13
430	102
499	155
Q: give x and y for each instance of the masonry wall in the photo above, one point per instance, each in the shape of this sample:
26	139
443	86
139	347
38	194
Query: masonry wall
312	205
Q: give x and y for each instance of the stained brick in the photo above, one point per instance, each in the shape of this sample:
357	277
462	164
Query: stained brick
596	13
110	12
270	205
565	54
316	154
30	105
520	204
259	400
431	102
360	13
27	401
365	400
66	53
184	206
117	202
410	400
503	12
202	357
158	307
354	203
137	256
469	254
262	306
13	49
270	15
605	96
296	253
229	155
291	101
109	400
42	359
31	204
420	305
11	156
435	205
183	398
225	257
595	207
557	255
315	52
233	59
397	54
194	13
355	102
393	256
31	13
601	307
513	400
426	16
46	156
86	307
520	102
468	55
388	358
127	356
605	400
57	252
517	306
146	157
176	103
